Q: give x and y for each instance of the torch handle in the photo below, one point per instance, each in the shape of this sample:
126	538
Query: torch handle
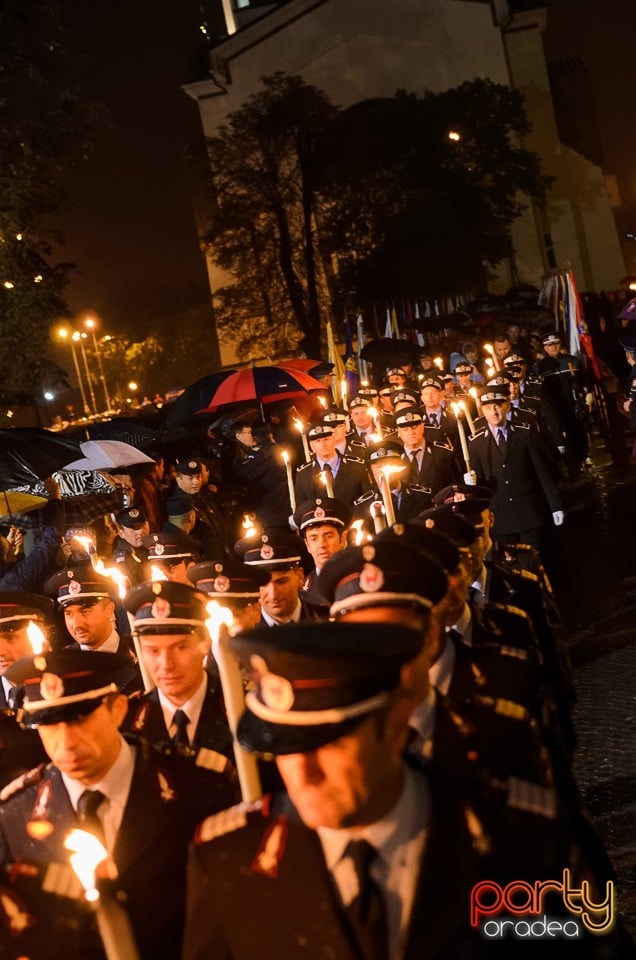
115	931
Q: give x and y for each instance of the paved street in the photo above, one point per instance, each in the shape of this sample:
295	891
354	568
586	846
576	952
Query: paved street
596	582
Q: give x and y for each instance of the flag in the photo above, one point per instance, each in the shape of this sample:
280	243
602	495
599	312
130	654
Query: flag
338	365
362	364
387	328
350	365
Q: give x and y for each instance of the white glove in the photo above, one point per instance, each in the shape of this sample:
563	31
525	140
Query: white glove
589	400
470	478
561	450
292	524
558	516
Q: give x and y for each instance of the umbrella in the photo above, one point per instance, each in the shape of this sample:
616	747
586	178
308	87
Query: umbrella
188	406
390	351
88	495
125	430
41	451
107	455
264	384
628	312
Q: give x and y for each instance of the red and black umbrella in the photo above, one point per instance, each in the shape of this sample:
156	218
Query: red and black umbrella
263	385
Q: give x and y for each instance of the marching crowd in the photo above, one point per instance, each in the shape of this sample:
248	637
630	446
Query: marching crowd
405	674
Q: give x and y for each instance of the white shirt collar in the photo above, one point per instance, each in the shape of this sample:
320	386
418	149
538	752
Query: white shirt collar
440	673
192	707
295	617
480	582
110	644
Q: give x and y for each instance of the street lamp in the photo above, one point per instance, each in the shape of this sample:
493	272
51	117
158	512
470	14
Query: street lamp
64	334
48	396
90	323
79	338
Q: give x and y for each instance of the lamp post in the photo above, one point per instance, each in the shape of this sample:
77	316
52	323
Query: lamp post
64	334
79	338
90	324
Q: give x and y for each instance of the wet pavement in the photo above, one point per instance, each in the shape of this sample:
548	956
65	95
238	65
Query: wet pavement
595	579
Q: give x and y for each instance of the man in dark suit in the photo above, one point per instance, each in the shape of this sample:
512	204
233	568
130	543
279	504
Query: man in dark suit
140	805
348	477
507	459
322	523
280	556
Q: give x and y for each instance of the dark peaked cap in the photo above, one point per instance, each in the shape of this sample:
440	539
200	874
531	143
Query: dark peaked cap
315	682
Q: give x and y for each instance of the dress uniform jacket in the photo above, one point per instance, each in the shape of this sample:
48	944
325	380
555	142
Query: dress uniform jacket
524	490
350	482
311	597
408	502
150	854
145	719
128	677
20	749
439	466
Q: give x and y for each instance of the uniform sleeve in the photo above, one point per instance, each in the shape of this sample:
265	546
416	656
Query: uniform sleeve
544	475
204	938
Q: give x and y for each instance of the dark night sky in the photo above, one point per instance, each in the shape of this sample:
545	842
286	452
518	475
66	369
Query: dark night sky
128	218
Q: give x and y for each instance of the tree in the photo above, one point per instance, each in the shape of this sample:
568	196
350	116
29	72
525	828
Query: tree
423	191
43	125
319	212
263	232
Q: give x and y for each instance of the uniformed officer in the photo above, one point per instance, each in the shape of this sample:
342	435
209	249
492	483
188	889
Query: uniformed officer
208	525
128	546
140	805
280	556
349	476
172	553
323	524
362	422
409	499
507	458
236	586
96	621
186	705
562	397
433	463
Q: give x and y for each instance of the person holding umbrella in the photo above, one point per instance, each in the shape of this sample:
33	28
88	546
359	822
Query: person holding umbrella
29	572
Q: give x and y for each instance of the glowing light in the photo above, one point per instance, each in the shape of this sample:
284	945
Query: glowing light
454	136
249	527
36	636
38	279
8	285
439	363
75	335
218	616
89	322
86	855
156	573
119	579
323	401
85	542
360	536
18	236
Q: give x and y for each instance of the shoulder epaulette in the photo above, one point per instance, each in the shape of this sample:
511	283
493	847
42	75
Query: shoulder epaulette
532	797
227	821
507	608
211	760
349	459
444	445
520	425
502	707
370	495
418	488
516	652
24	780
304	466
482	432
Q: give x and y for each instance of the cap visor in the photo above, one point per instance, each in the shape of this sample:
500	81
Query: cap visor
262	736
63	713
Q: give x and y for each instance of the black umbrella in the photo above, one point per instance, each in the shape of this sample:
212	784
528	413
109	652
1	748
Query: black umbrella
126	430
390	351
194	398
41	451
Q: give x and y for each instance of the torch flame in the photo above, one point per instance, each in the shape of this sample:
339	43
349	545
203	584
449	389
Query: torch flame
218	616
323	401
86	855
87	543
488	347
300	426
249	526
391	469
373	413
285	456
473	392
37	637
156	573
439	363
118	578
359	535
456	407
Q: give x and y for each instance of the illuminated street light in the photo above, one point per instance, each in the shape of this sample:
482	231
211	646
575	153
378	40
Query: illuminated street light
133	385
454	136
64	334
79	338
90	323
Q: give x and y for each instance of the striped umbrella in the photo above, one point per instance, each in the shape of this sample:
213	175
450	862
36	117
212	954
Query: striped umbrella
263	385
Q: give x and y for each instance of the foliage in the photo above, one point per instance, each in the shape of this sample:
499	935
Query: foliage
319	211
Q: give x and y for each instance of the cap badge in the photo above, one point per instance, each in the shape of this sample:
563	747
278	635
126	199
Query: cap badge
398	529
267	551
218	567
276	692
430	523
156	587
70	574
319	513
133	514
74	588
51	686
39	663
159	549
192	464
371	578
318	501
458	497
368	552
160	608
221	584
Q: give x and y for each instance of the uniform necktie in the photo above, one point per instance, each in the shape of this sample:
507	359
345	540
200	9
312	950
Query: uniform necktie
181	721
433	418
501	442
367	911
415	470
87	806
